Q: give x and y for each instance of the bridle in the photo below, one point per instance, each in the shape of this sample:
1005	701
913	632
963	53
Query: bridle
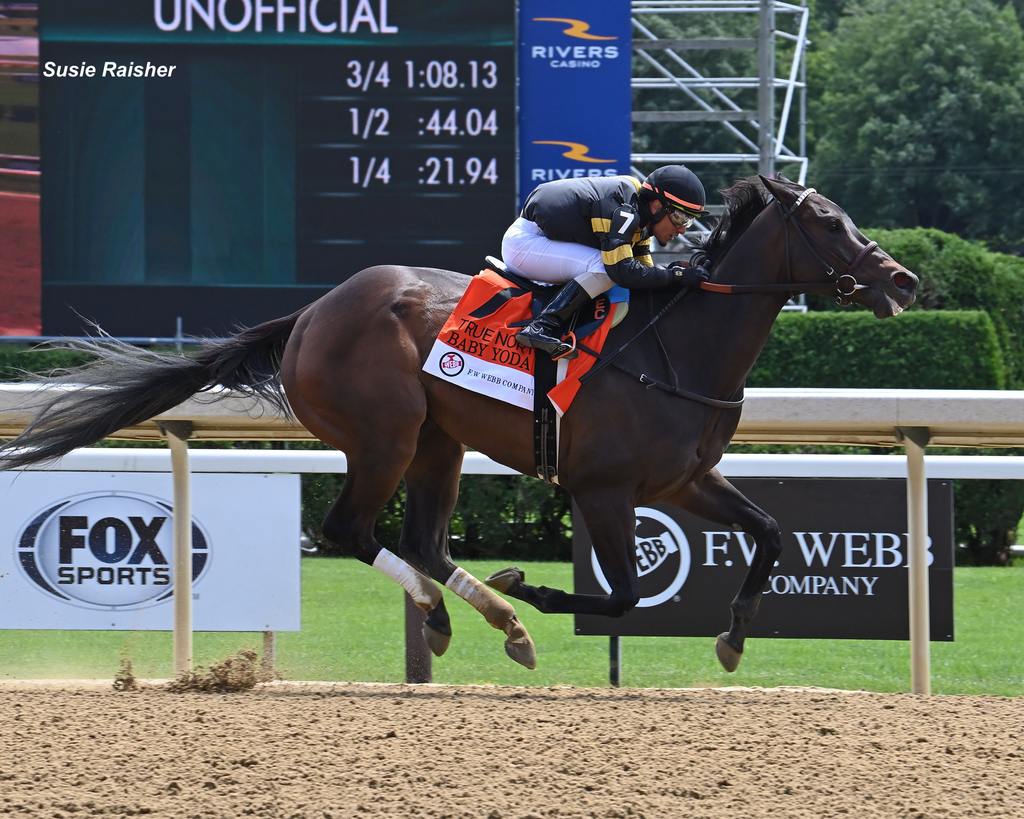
842	286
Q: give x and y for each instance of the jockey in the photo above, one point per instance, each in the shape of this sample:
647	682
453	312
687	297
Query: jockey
595	232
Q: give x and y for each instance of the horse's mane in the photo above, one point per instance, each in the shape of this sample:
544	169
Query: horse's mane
744	201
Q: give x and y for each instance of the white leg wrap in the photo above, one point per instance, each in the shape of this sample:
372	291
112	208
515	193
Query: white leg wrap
423	592
495	610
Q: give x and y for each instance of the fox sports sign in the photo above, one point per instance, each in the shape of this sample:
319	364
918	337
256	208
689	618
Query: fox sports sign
106	550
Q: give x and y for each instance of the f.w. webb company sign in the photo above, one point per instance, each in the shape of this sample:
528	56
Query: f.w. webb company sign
842	573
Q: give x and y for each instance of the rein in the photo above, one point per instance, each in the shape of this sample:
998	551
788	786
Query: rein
842	286
644	378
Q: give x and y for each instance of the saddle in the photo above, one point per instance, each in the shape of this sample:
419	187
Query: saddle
587	319
476	350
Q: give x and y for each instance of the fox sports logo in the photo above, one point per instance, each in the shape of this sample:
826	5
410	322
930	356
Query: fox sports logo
106	550
662	558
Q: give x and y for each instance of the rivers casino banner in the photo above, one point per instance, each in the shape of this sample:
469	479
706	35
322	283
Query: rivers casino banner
842	572
575	101
84	550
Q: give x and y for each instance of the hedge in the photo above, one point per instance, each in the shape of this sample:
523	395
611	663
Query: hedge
947	349
955	349
17	360
957	274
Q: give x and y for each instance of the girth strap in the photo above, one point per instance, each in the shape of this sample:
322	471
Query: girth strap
545	440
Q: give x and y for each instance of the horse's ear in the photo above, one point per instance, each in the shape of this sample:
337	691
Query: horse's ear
782	189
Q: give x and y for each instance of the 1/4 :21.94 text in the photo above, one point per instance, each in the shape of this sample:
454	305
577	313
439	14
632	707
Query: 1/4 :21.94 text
369	171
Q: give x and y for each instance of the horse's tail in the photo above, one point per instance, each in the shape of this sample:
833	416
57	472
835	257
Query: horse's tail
125	385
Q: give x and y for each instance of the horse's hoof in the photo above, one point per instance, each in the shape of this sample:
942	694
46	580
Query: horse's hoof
728	656
519	646
506	579
436	641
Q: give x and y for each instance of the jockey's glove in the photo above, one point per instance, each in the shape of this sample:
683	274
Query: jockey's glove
688	275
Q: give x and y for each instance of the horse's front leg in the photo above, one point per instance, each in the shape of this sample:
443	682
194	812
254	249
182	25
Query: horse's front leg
714	498
611	524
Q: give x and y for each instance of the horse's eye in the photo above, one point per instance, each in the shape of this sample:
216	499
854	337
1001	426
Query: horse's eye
835	225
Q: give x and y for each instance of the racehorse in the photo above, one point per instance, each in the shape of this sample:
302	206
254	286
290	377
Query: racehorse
349	366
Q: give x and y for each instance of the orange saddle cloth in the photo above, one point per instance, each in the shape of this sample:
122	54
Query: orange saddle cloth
477	350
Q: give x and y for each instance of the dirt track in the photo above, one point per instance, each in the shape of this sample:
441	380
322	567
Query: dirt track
285	751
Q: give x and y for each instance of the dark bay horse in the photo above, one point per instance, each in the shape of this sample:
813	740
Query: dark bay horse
350	369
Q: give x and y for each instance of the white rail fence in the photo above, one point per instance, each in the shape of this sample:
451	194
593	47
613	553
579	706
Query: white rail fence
913	419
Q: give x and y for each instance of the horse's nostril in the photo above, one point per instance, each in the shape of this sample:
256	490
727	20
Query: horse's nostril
903	280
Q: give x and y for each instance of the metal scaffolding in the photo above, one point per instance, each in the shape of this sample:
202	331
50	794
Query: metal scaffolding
758	132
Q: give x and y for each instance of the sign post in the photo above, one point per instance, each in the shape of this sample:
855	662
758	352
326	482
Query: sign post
418	662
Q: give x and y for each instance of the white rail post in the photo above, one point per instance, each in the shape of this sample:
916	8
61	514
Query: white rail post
177	434
915	439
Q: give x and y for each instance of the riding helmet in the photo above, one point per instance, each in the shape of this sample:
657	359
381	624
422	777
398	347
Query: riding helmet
675	186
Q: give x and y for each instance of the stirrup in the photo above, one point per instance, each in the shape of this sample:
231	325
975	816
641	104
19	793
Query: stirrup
567	350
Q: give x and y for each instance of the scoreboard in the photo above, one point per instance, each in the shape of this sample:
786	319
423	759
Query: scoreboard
296	142
406	155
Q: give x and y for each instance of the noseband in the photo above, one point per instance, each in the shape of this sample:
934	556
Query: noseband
841	286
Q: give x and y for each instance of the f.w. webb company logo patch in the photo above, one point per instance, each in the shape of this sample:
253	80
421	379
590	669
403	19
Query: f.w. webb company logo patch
662	558
106	550
451	364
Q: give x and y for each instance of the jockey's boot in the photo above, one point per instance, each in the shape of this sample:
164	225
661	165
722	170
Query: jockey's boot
545	332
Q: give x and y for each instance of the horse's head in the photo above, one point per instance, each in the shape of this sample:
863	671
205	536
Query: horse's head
823	245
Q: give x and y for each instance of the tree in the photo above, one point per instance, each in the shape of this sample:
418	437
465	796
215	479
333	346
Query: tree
918	116
825	15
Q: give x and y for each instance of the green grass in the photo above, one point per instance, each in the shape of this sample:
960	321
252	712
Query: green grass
352	630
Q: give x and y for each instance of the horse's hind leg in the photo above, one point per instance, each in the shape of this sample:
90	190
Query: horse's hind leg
432	488
351	521
376	461
371	413
430	495
712	497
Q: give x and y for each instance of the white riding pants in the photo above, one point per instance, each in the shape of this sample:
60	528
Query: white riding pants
528	252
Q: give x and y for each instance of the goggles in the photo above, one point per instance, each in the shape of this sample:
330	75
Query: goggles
680	219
